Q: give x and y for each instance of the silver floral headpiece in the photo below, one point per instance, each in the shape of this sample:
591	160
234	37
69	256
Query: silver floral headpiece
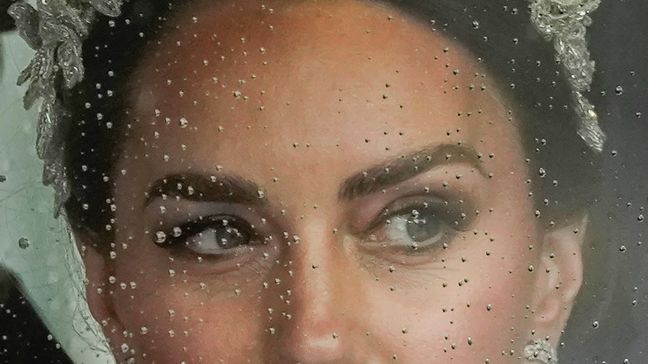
565	23
56	29
540	351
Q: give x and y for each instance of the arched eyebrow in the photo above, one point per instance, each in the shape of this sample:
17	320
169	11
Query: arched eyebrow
204	188
233	189
407	166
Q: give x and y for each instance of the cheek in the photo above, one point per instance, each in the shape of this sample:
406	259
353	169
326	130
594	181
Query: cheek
179	320
469	315
181	311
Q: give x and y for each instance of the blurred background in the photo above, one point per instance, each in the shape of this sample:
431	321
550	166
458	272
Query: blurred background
619	330
611	326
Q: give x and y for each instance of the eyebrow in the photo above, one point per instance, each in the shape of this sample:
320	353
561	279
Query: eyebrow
234	189
407	166
202	188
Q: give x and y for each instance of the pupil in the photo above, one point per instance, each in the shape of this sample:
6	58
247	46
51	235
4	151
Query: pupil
422	227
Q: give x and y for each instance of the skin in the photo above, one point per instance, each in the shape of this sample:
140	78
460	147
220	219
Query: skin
331	90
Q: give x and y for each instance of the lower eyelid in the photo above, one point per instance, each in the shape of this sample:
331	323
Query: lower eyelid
222	252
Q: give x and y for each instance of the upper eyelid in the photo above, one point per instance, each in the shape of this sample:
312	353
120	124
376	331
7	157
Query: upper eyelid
393	208
431	199
434	199
194	209
213	219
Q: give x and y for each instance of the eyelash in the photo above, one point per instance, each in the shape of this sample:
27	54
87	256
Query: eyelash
442	206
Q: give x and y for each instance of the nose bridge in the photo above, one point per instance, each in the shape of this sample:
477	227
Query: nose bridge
319	263
318	312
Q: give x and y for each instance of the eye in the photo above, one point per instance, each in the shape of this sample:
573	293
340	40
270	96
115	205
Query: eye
219	235
416	227
413	228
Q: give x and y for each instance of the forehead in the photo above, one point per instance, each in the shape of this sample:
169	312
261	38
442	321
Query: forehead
327	73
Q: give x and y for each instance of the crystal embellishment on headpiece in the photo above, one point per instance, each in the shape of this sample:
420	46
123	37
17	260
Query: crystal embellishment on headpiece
565	22
540	351
55	30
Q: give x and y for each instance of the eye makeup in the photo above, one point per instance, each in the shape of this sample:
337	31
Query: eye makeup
214	233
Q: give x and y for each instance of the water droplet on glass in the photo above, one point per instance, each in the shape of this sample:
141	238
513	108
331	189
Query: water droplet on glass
542	172
160	237
23	243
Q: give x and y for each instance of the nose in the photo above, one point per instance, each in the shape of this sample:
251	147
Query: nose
319	322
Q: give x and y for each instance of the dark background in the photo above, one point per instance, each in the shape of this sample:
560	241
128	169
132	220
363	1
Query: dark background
618	301
619	44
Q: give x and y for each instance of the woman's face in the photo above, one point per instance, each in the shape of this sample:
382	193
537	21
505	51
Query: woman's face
322	182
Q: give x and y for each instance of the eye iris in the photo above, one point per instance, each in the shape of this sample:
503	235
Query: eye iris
422	227
231	233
